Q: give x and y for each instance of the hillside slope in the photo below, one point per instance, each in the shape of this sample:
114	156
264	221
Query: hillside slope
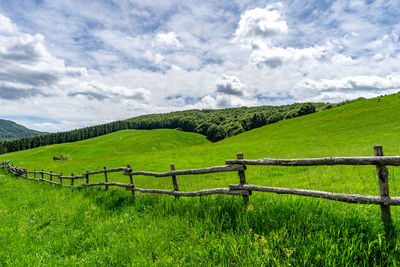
10	130
349	130
215	124
107	149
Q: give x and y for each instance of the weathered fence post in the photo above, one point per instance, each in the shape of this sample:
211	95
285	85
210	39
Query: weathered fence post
41	179
131	178
242	178
72	179
51	176
174	180
87	177
383	182
106	177
34	173
61	178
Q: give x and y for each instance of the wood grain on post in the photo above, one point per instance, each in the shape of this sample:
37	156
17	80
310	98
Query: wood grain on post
174	179
383	182
105	177
72	180
242	178
131	178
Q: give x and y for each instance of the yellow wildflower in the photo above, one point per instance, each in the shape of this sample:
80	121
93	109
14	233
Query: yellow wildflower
250	207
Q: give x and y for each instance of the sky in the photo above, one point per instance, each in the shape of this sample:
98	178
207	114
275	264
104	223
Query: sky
75	63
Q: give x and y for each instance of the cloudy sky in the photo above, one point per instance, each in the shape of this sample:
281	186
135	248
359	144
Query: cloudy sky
69	64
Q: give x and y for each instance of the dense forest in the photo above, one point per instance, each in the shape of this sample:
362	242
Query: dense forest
10	130
215	124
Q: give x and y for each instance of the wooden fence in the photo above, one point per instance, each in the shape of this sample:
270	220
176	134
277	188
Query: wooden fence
242	188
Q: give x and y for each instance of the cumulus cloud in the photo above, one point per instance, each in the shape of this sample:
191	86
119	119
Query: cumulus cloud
261	23
260	28
230	85
83	68
95	90
308	88
7	26
32	76
274	57
167	41
12	93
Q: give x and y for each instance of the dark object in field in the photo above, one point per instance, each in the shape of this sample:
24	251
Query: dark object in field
62	157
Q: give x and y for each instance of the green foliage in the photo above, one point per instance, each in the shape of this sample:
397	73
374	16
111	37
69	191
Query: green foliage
216	133
307	108
64	156
10	130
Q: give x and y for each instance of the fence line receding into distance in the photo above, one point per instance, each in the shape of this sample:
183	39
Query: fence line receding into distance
242	188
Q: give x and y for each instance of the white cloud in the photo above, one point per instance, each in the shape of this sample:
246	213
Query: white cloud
261	23
230	85
341	59
33	78
167	41
274	57
6	25
339	88
259	30
115	60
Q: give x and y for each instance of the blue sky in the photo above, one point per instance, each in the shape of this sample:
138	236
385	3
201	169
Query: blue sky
70	64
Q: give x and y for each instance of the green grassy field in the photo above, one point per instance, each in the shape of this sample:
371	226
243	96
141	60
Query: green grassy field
42	224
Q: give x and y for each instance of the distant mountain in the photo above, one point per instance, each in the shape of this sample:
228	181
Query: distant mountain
10	130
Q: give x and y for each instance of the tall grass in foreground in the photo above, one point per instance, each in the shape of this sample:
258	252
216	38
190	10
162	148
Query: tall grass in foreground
42	224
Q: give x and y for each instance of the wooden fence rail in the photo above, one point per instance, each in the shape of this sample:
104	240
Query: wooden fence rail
243	188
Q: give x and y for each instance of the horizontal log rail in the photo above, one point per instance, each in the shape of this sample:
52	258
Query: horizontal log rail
392	161
349	198
108	184
42	180
70	177
214	169
121	169
203	192
243	188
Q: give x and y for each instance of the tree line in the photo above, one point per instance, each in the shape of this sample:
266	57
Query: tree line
215	124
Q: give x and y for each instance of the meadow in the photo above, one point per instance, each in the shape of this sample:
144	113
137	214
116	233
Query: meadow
41	224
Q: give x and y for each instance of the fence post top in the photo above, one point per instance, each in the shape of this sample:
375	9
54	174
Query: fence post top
239	155
378	150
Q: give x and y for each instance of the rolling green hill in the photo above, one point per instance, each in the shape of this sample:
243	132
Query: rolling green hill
10	130
113	228
215	124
